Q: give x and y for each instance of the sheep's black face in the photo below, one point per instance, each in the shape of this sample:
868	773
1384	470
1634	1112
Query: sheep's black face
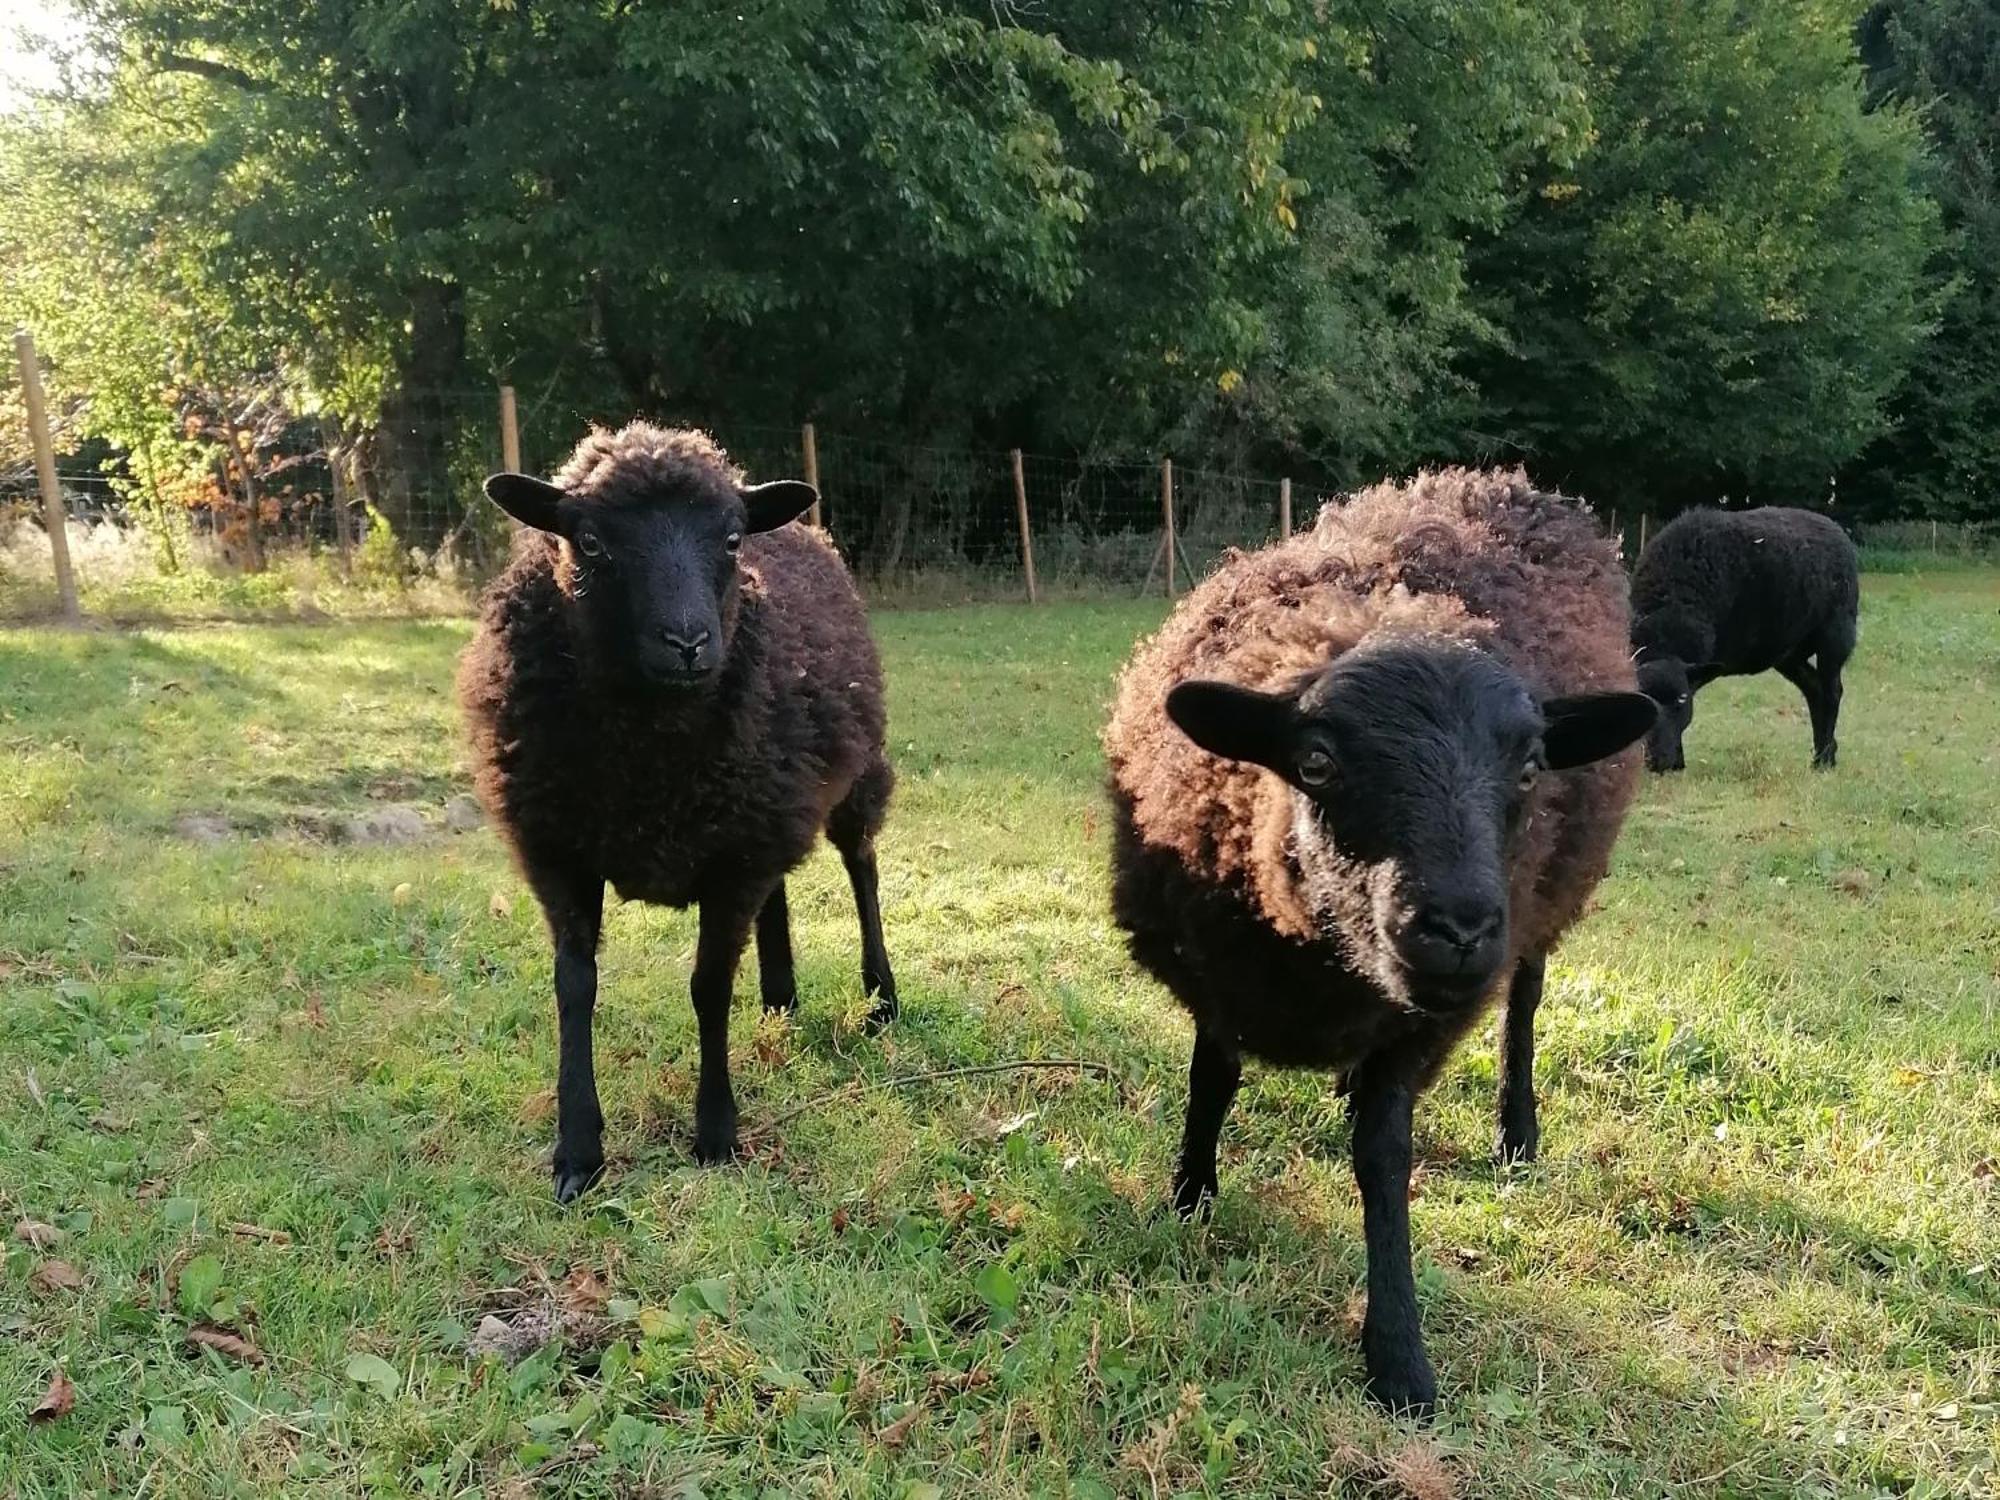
654	577
1414	765
1667	682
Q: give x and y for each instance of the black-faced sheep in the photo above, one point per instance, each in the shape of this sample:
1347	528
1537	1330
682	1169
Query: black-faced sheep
1727	593
1333	832
673	690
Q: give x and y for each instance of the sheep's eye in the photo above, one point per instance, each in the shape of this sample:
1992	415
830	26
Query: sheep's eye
588	544
1315	768
733	541
1681	701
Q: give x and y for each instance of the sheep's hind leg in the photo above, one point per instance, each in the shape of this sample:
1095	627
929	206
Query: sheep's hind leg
1520	1134
776	980
1214	1072
850	828
1812	687
725	927
575	910
1834	649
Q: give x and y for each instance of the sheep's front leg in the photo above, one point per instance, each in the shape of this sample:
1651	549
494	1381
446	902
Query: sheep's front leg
575	910
725	927
1214	1072
1520	1135
1392	1336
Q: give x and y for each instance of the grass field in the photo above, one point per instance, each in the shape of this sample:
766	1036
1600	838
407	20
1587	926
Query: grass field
297	1090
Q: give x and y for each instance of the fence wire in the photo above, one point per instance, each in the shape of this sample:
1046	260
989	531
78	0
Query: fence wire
399	504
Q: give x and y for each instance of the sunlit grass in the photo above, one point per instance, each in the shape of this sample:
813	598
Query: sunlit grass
1758	1258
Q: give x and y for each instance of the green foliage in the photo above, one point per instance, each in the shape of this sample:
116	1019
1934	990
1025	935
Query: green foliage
1722	294
1661	249
1942	57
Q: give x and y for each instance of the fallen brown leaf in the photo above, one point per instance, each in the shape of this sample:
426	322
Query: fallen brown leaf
840	1219
897	1432
953	1202
259	1232
58	1401
34	1232
315	1012
500	905
222	1341
1854	882
53	1276
584	1291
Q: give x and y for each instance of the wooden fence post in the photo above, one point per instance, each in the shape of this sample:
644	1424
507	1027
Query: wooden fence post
1167	511
810	443
510	432
1027	537
53	514
1284	509
343	506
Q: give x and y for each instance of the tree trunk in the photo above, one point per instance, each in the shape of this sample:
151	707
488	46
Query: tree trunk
254	519
414	490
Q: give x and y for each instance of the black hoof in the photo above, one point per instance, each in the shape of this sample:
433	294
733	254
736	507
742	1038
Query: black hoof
786	1003
1826	759
573	1181
1404	1383
887	1007
1517	1146
715	1136
1416	1399
1194	1197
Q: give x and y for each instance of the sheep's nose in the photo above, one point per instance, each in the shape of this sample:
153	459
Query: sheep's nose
1454	941
1463	927
689	646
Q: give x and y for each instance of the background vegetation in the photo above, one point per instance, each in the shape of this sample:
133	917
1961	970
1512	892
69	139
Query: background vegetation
1662	251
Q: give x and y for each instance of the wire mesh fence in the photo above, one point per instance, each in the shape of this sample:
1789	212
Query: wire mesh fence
400	502
268	510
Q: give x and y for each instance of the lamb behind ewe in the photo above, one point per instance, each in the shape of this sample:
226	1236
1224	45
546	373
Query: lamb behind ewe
1334	834
1727	593
675	691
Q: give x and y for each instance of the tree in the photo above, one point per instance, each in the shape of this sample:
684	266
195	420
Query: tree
1723	294
1942	58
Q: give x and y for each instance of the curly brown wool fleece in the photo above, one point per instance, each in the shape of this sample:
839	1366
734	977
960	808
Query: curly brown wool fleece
1480	557
663	796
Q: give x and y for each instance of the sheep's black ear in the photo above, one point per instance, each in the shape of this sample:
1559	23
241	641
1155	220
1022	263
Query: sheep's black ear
1580	730
772	505
1236	723
530	501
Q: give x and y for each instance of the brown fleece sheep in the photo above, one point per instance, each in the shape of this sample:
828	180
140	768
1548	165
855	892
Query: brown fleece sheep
1335	852
674	690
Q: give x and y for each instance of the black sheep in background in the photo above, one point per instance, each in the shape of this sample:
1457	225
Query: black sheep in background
1730	593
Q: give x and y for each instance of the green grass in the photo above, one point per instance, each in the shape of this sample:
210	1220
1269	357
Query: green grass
1760	1256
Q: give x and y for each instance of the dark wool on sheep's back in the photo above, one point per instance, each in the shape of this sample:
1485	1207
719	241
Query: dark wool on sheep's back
1205	878
653	788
